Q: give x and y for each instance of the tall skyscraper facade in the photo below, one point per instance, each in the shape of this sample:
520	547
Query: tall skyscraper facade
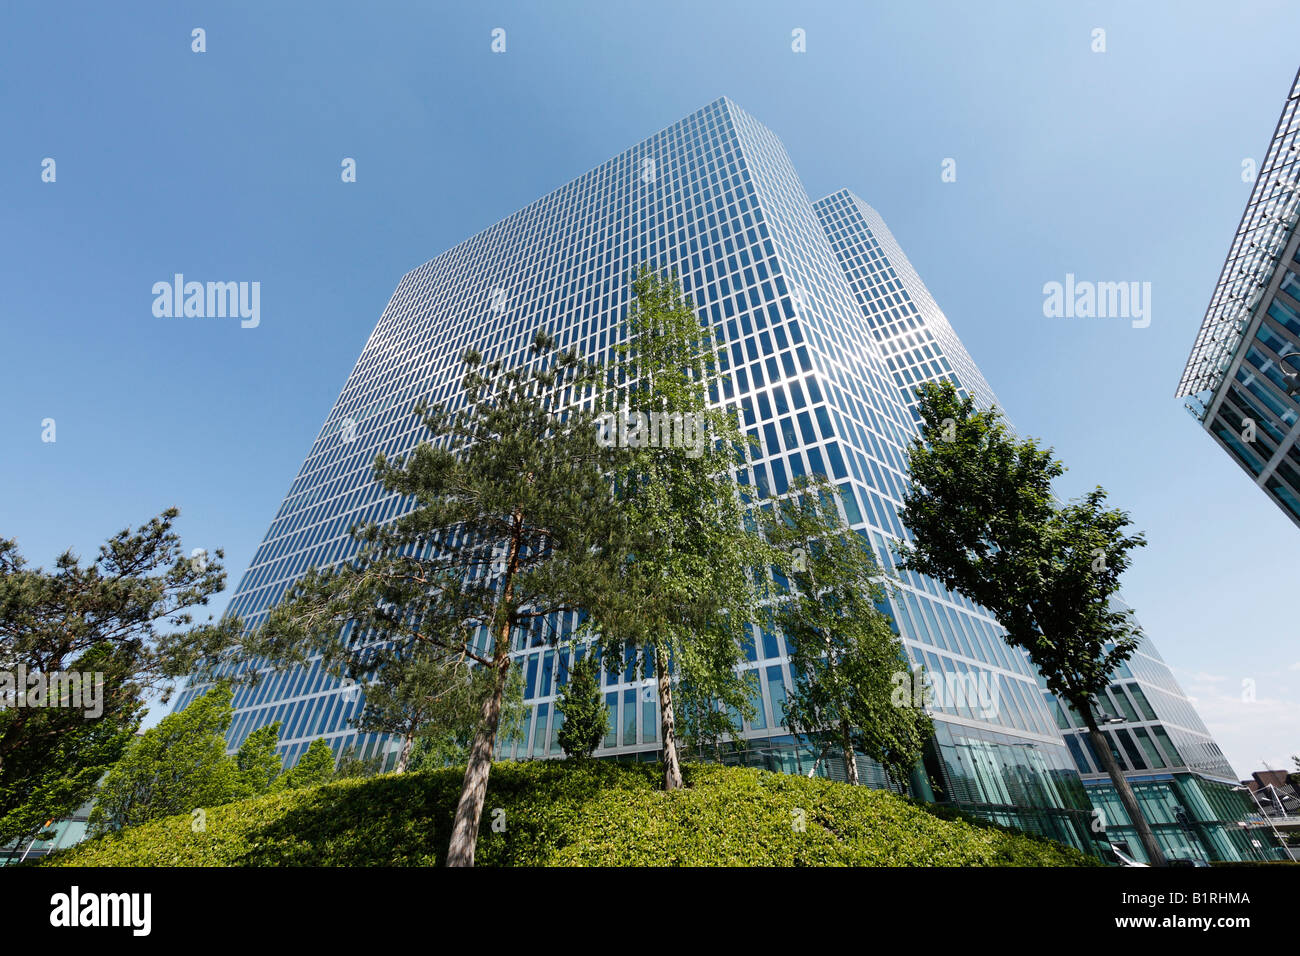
821	352
1177	771
918	343
1236	378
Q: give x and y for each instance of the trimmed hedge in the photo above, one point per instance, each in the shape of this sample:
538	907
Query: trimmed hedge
571	813
1255	863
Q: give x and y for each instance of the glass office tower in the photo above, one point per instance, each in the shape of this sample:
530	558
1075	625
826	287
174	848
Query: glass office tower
1235	380
1180	776
826	328
915	337
919	345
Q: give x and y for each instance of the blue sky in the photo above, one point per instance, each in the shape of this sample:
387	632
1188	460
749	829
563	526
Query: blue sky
1116	166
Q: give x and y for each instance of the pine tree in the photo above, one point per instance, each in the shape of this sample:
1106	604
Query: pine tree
122	627
423	690
586	716
431	703
510	513
446	740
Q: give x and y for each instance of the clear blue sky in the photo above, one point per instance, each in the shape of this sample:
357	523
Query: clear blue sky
1115	166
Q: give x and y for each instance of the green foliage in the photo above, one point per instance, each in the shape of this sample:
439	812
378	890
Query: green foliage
124	621
175	767
845	658
58	756
985	523
446	739
578	813
511	513
352	766
582	705
314	767
258	764
681	586
432	703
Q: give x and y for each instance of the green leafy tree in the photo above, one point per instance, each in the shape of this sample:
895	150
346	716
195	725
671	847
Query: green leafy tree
447	740
412	694
175	767
984	521
314	767
258	764
433	699
845	658
682	584
583	708
71	750
351	765
704	722
510	512
101	636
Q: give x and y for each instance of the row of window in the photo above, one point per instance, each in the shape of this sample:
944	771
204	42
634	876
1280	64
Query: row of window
803	367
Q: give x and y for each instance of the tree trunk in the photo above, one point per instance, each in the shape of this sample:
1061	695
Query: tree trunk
667	723
1101	745
850	759
405	756
464	831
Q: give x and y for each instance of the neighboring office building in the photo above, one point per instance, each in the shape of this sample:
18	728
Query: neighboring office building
63	834
1178	772
1275	798
1235	378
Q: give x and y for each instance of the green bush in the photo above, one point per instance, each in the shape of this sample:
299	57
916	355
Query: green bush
1255	863
587	813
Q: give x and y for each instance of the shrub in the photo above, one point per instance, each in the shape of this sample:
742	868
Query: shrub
584	813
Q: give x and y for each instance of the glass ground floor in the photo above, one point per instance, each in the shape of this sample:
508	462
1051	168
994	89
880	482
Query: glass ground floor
1192	816
58	835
